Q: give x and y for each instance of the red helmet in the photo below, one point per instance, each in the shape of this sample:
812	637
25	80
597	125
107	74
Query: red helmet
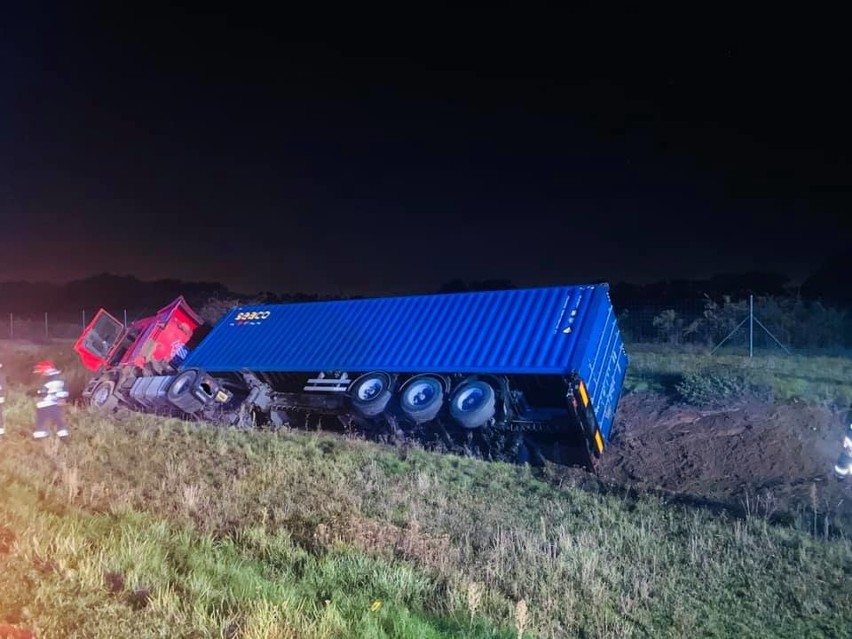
44	367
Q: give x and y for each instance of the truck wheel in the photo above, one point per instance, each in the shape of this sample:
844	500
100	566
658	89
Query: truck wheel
180	392
421	398
371	393
472	404
103	398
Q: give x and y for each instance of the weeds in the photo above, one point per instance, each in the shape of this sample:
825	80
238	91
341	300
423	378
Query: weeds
705	379
156	527
717	386
247	534
521	617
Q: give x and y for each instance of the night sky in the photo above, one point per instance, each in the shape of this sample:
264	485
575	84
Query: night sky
392	152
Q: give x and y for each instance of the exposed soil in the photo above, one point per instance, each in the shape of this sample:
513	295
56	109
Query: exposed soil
779	456
12	632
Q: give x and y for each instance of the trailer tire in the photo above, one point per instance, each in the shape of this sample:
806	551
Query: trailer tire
371	393
473	404
180	394
421	398
103	398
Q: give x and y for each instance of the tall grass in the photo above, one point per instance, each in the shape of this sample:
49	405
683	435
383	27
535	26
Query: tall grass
19	356
819	380
150	527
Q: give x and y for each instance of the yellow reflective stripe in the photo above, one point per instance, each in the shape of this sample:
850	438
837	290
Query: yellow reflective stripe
583	395
599	441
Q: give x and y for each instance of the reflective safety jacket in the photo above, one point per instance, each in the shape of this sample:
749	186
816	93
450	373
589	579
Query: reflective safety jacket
52	392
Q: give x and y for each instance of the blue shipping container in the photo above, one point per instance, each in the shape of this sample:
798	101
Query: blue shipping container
560	330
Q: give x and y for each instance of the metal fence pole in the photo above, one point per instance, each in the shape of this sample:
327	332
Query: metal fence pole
46	329
125	318
84	318
751	325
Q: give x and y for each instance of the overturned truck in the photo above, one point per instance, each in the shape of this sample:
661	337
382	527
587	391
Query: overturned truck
515	375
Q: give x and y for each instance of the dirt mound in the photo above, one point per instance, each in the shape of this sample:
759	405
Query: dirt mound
771	458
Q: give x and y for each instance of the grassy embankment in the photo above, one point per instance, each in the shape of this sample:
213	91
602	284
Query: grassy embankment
149	527
697	376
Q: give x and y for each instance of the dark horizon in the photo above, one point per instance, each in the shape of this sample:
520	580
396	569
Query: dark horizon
266	153
791	282
819	285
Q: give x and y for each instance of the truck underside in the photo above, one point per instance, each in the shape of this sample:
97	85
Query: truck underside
501	418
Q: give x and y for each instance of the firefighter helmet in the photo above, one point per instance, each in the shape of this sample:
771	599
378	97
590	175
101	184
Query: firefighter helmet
44	367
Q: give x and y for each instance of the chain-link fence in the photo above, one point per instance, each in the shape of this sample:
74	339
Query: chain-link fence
757	324
746	325
38	327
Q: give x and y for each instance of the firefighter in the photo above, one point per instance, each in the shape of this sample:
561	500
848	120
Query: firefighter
52	396
843	467
2	397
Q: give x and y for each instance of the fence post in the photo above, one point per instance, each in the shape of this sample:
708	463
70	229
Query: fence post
46	330
84	318
125	318
751	325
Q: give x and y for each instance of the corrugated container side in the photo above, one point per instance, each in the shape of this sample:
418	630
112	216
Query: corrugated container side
521	331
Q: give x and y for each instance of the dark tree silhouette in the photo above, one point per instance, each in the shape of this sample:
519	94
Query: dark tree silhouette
832	282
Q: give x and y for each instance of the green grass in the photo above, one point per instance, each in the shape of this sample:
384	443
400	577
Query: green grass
19	356
819	380
130	574
149	527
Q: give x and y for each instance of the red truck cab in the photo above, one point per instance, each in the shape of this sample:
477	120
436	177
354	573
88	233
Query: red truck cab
106	343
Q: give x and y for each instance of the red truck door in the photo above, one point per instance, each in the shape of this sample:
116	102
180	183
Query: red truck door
98	340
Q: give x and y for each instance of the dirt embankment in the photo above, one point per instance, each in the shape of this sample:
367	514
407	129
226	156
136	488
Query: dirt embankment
778	456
